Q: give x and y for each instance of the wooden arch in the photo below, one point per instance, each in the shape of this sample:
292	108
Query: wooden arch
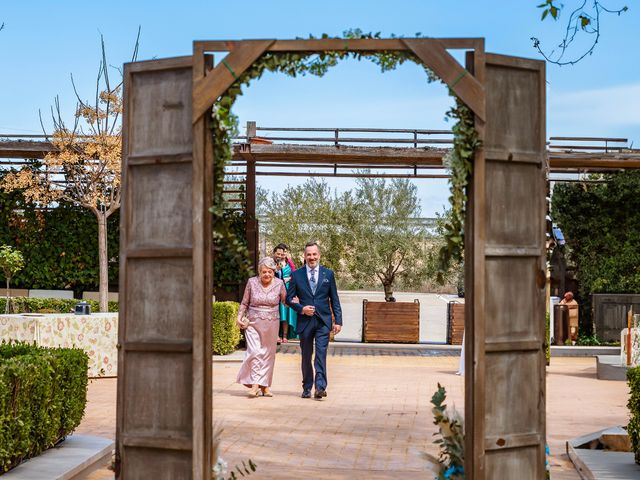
164	386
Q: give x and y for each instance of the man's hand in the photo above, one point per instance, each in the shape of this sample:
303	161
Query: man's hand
336	329
308	310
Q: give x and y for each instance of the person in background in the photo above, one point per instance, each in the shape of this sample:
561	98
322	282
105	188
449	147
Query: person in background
258	316
288	317
573	306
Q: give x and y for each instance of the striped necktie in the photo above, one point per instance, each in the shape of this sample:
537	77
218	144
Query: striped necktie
312	281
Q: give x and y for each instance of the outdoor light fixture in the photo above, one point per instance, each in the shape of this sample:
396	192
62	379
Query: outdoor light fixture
557	234
82	308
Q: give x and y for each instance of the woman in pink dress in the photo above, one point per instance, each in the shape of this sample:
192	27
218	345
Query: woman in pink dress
260	304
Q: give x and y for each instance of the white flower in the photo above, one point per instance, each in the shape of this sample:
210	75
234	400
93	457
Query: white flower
220	469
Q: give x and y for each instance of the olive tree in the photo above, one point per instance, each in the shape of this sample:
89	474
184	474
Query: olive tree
11	262
388	242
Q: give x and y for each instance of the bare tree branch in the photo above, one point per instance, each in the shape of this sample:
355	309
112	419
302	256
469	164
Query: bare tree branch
582	19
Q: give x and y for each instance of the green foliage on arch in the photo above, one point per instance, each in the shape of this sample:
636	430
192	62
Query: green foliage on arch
236	265
600	222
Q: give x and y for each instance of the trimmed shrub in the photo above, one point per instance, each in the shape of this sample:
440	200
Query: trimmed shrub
50	305
43	394
225	333
633	429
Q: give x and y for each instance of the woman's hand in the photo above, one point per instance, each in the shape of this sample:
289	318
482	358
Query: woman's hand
242	323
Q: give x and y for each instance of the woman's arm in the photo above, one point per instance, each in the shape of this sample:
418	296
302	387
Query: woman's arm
244	304
283	293
291	264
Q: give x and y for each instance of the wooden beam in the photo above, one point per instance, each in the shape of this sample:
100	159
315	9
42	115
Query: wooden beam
559	161
160	64
335	44
349	175
202	270
434	55
25	148
343	154
364	156
207	89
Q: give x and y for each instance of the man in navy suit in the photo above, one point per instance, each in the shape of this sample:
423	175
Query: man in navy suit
315	287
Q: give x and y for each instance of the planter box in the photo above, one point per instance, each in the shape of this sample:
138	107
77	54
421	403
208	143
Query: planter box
391	322
455	323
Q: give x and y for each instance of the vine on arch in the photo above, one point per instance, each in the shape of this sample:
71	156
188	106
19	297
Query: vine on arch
237	265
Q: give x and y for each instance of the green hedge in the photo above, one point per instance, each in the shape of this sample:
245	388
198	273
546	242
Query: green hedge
43	393
547	348
50	305
633	379
225	333
60	245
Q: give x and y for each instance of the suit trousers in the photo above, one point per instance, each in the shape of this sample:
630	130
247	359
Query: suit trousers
315	331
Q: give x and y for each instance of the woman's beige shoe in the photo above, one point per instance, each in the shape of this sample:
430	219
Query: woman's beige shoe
266	392
254	391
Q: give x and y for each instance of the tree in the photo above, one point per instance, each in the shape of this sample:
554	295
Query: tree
84	169
300	214
453	274
11	262
584	19
388	243
370	235
599	222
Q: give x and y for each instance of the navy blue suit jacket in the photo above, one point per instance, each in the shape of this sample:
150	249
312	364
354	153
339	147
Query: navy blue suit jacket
325	298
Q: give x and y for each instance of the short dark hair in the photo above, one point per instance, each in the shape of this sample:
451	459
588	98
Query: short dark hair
312	243
280	246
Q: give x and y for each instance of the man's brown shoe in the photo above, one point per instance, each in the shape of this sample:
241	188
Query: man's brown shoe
319	393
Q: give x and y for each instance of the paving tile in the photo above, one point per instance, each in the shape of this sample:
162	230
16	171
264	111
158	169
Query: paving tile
376	421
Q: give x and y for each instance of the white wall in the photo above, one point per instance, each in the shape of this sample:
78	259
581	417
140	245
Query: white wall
51	294
433	314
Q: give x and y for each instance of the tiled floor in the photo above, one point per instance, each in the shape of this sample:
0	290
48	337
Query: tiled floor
376	421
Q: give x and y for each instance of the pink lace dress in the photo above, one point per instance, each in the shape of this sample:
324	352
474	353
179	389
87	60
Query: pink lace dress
261	306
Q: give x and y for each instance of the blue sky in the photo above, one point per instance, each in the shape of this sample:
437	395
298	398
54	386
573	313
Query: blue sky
43	42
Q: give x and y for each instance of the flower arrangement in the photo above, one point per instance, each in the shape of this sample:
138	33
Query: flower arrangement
450	461
220	470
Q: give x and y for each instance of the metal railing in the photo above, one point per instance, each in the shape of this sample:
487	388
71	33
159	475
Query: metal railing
348	136
587	144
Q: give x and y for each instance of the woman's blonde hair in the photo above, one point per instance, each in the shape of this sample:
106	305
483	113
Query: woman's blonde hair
267	262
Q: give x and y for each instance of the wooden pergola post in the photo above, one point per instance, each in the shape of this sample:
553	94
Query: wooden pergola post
165	340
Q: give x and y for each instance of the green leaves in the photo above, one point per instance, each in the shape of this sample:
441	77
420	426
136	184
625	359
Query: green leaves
43	394
549	8
584	18
225	333
243	470
633	379
60	245
368	235
460	165
450	439
599	222
11	262
584	21
232	258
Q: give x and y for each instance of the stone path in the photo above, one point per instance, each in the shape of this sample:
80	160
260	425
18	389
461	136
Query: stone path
369	350
376	421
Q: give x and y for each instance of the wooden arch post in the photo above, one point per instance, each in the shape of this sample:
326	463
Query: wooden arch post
164	388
